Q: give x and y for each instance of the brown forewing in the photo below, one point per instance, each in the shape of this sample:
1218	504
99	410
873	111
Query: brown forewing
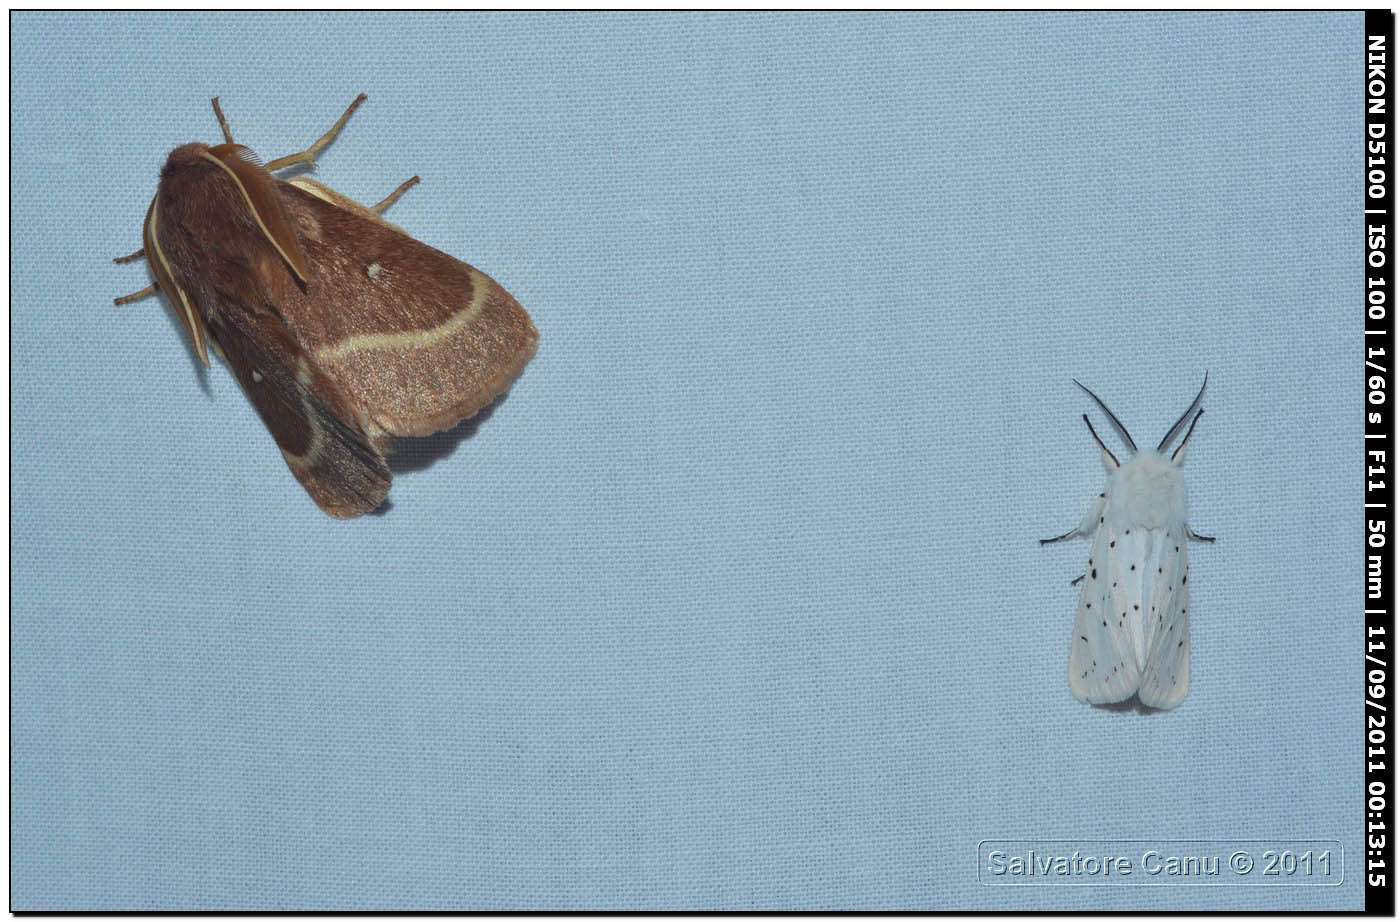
415	339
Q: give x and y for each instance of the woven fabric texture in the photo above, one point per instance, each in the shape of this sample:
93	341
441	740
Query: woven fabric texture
735	601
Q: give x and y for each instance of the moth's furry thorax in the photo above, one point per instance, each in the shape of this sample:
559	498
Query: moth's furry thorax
1147	491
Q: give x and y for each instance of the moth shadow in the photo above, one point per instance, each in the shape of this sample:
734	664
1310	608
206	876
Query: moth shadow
1131	705
409	454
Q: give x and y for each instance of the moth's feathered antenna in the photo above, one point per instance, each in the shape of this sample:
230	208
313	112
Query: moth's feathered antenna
1099	440
1171	433
1182	447
1116	424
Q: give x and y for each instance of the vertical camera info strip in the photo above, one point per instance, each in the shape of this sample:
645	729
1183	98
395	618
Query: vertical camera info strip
1379	149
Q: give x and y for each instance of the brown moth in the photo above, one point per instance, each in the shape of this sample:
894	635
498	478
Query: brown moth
342	329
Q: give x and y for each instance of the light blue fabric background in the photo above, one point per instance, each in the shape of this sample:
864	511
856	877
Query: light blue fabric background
736	600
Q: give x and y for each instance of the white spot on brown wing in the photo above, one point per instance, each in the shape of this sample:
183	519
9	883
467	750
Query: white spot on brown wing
374	270
257	376
414	338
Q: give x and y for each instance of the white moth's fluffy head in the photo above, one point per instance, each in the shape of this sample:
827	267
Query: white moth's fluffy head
1148	491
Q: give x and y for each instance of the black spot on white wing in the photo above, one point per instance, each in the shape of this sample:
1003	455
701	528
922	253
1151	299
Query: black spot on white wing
1093	574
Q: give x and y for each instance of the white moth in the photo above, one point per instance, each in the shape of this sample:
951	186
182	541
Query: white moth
1132	627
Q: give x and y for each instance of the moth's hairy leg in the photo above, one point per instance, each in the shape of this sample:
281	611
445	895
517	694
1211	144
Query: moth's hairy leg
309	155
136	296
394	196
1072	533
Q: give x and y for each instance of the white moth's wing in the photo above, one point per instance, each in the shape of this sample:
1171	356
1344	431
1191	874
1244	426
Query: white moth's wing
1167	674
1103	665
1128	552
